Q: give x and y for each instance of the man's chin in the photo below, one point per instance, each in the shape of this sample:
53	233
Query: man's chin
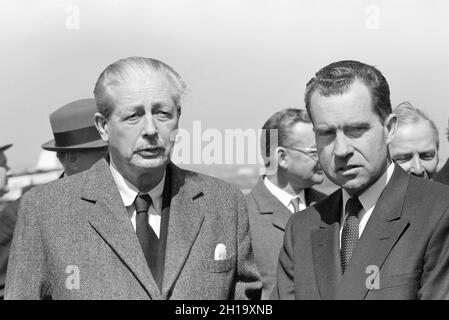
353	186
318	178
151	164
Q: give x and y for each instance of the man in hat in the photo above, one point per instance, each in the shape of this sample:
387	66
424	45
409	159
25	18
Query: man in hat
134	226
78	146
77	142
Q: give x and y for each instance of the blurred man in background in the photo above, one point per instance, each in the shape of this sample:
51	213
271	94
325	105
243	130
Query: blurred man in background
4	170
292	153
416	143
6	226
78	145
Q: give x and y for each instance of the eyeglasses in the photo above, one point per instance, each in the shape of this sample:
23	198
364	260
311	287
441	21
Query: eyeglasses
310	152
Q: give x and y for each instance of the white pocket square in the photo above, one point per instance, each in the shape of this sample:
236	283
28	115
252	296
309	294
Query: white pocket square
220	252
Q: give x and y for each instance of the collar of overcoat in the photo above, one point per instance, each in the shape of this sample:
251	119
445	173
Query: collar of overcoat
109	218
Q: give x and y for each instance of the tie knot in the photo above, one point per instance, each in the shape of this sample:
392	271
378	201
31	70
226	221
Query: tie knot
142	203
295	203
353	206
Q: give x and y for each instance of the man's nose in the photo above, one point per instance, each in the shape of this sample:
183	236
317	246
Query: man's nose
416	168
149	128
342	147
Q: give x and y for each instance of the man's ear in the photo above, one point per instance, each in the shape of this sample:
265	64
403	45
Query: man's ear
72	159
281	156
390	126
102	126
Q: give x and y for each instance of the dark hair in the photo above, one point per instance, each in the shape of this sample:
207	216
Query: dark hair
336	78
281	121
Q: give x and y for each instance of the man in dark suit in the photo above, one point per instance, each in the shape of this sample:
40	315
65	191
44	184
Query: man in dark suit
442	175
8	217
5	226
284	190
134	226
384	234
78	146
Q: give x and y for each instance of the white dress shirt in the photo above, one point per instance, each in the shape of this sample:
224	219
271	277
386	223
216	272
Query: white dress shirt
368	200
128	192
284	197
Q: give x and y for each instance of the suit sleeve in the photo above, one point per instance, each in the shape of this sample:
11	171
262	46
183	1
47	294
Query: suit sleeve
435	276
8	219
26	265
285	286
248	283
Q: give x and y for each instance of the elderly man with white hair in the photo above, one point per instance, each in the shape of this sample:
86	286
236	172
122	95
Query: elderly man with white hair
416	143
134	226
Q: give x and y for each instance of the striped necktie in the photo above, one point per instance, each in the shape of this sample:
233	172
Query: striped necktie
295	203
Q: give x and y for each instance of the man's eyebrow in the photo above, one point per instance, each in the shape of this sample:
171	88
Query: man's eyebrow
160	104
428	151
323	127
131	106
402	154
357	124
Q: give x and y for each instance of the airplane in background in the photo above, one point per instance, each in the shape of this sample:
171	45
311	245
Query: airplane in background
47	168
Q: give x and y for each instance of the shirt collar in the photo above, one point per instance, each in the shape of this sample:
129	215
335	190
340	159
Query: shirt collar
369	198
128	191
284	197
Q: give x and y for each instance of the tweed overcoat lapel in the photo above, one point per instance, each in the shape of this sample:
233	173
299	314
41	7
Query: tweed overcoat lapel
110	220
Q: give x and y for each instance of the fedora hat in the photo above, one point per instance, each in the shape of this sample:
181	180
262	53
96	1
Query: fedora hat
5	147
73	127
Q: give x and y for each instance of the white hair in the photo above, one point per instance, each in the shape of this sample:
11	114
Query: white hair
129	69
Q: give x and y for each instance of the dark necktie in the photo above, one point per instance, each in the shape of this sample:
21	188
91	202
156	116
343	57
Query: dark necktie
295	203
350	233
147	238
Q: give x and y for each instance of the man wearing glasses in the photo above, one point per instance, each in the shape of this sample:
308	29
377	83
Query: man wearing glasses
291	169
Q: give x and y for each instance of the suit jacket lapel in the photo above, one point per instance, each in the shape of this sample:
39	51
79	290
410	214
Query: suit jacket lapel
312	196
383	230
326	247
108	216
281	214
186	218
267	203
